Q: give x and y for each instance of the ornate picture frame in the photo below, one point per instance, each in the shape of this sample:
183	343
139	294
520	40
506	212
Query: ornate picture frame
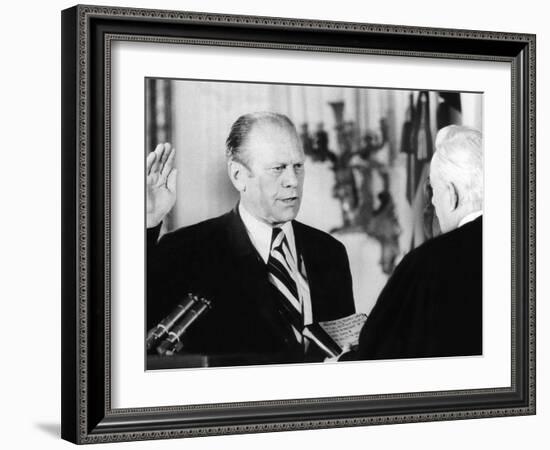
88	415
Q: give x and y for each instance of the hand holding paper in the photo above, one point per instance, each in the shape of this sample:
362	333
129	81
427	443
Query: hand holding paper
345	331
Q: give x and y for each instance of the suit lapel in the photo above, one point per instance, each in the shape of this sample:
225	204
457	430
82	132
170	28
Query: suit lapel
315	260
306	254
252	272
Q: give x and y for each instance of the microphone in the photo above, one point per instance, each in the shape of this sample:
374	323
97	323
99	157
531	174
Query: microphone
155	334
172	343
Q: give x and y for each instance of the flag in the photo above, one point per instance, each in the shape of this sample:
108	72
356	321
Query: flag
419	145
449	110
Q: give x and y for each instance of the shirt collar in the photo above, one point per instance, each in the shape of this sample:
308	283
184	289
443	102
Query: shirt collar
260	233
470	217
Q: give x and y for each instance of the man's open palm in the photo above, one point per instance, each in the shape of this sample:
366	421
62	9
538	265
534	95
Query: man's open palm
161	183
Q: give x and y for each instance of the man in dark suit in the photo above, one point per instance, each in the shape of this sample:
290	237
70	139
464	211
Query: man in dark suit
269	278
432	304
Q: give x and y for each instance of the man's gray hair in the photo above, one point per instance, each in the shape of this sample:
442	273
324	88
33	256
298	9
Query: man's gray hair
458	159
243	125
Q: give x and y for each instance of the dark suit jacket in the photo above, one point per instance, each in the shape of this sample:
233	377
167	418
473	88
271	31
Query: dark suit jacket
432	304
217	260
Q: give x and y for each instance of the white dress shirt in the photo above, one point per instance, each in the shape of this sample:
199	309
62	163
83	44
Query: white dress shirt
470	217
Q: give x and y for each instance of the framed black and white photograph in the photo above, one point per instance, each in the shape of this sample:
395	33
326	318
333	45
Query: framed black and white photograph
290	208
358	173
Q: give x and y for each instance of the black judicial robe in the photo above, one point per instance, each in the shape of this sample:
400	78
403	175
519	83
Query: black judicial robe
432	303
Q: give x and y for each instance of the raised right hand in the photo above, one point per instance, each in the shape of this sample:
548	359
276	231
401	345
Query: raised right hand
161	183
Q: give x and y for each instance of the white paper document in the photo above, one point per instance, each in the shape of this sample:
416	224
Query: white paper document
345	331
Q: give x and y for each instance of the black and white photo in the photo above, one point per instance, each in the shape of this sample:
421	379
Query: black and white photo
276	224
280	216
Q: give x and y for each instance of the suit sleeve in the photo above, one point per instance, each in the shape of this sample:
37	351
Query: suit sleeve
162	264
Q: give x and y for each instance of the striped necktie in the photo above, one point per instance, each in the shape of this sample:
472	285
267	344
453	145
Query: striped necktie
284	275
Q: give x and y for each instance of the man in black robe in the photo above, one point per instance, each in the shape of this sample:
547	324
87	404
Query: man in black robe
432	304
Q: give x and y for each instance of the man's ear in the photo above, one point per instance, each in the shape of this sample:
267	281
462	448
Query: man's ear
452	192
237	174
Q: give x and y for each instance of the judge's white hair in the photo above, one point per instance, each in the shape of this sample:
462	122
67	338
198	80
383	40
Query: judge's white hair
458	159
